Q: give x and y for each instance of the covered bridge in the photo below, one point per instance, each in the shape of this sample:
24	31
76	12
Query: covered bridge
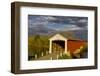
59	42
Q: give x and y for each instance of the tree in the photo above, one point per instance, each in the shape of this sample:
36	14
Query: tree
81	52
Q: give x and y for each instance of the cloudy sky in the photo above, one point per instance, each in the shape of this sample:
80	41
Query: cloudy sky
60	23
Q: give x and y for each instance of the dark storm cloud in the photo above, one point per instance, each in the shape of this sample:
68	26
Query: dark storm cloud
58	22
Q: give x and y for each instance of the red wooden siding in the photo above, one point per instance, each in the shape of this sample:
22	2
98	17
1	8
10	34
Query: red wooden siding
73	45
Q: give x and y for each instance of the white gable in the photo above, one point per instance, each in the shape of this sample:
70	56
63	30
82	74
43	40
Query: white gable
58	37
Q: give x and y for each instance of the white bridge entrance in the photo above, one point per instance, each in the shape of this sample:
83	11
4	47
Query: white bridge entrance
57	43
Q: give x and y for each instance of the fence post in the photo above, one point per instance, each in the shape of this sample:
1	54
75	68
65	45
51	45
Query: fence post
57	57
60	54
35	56
42	54
50	58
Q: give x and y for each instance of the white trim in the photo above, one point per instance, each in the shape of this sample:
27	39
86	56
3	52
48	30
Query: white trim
66	46
50	46
58	37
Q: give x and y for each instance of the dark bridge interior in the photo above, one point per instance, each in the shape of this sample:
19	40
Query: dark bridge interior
58	45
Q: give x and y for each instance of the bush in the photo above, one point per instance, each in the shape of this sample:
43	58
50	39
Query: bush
81	53
65	56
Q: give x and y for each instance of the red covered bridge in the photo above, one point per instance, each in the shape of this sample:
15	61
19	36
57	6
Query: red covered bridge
65	44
